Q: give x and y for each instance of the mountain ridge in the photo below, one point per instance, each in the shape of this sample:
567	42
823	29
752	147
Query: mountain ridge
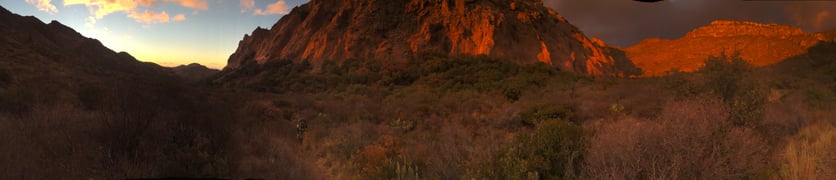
759	43
522	31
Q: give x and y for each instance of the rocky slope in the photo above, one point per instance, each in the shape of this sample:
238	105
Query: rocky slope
523	31
760	44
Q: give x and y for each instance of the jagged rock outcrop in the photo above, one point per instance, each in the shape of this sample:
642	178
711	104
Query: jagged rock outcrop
523	31
760	44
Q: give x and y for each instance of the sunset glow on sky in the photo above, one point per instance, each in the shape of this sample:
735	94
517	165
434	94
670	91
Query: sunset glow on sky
166	32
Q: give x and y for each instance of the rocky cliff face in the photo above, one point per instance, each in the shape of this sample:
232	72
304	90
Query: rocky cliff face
523	31
760	44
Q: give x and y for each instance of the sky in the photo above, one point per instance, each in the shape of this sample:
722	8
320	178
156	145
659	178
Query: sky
175	32
166	32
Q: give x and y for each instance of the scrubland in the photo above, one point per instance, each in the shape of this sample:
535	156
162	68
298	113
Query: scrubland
435	117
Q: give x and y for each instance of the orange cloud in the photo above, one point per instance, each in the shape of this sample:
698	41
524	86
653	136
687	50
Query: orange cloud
101	8
44	5
149	17
279	7
179	17
247	5
194	4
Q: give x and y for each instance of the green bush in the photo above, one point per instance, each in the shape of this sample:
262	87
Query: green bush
543	112
554	151
819	98
443	73
512	93
678	82
730	78
725	75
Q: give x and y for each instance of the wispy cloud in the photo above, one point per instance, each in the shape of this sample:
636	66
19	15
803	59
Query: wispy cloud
44	5
132	8
149	17
179	17
247	5
194	4
279	7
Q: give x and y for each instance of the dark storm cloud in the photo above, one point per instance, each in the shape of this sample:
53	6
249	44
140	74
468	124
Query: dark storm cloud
626	22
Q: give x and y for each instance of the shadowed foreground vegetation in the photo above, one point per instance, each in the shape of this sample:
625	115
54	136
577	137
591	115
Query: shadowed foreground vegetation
435	117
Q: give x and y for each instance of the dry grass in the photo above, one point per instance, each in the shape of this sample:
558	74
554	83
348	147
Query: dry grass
811	154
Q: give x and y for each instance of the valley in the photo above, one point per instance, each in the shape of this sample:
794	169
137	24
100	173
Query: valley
436	90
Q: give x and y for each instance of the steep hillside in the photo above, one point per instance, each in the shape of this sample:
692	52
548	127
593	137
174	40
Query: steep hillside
72	108
32	49
522	31
761	44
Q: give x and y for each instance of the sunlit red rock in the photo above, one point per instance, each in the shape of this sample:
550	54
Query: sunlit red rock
760	44
522	31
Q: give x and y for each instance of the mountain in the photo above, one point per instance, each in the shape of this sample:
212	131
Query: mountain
760	44
523	31
72	108
32	49
193	72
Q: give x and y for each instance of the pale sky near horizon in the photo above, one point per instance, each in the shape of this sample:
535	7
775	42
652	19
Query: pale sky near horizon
166	32
175	32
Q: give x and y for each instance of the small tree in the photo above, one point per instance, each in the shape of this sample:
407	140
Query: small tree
729	77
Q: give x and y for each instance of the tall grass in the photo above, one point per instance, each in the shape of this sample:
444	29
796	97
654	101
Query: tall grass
809	155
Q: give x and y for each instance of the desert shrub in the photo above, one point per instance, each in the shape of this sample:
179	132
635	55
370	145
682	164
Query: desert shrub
554	151
90	96
385	159
401	168
543	112
404	125
730	78
819	98
689	140
5	77
809	155
512	93
679	83
725	75
480	73
16	101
